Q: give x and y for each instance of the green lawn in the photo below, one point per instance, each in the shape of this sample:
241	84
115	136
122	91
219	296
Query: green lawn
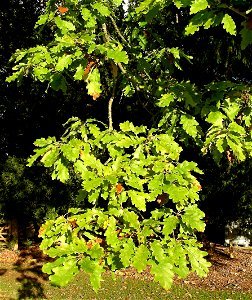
17	284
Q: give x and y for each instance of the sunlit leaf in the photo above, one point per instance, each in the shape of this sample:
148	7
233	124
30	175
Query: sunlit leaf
229	24
198	5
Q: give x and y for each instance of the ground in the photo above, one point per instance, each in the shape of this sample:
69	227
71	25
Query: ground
226	274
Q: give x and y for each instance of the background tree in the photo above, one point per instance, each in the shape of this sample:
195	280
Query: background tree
30	197
27	112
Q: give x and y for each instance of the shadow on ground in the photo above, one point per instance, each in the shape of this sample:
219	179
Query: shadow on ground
30	276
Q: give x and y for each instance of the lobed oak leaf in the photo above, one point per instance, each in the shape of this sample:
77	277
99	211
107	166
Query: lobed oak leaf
88	68
82	154
73	223
119	188
62	9
100	241
198	185
42	230
96	96
89	245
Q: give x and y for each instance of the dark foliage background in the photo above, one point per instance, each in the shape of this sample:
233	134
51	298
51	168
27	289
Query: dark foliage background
31	111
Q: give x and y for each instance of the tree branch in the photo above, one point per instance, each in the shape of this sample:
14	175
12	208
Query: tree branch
110	103
105	31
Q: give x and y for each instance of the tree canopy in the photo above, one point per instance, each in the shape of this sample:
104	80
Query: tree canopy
167	87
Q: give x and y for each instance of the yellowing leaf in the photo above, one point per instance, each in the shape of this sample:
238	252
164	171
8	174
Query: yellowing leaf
96	95
94	84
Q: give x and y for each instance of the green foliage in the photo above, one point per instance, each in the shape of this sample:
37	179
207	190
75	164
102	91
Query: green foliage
78	39
227	108
140	202
198	5
122	180
229	24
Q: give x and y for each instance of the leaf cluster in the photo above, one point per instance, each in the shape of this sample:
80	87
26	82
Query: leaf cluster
144	204
217	118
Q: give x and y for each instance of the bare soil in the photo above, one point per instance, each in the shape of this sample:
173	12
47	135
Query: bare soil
225	273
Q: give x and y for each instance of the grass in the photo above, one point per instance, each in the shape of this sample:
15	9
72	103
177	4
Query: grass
15	284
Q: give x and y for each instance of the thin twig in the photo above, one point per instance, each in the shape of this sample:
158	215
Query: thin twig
118	31
243	14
